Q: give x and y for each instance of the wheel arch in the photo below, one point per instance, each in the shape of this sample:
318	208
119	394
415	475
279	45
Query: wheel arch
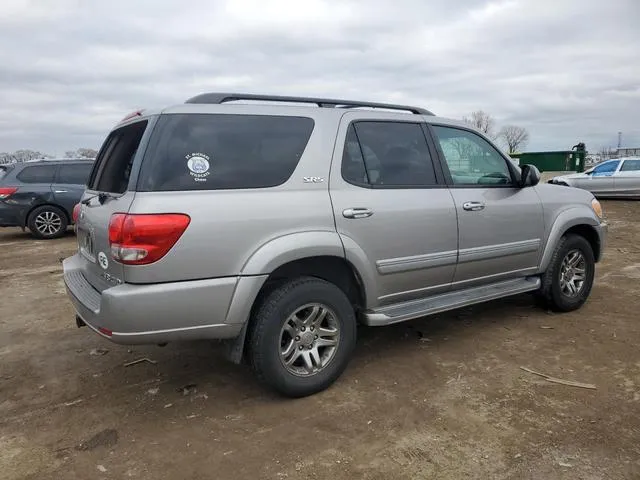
331	268
46	204
581	221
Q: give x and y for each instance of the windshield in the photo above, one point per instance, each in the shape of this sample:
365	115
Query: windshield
607	167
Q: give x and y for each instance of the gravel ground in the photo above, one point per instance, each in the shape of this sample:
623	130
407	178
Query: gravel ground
442	397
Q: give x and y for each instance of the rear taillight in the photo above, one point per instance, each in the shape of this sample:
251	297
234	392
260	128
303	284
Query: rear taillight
76	212
6	192
140	239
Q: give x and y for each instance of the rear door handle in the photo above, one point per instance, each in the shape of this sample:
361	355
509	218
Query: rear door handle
473	206
61	191
357	213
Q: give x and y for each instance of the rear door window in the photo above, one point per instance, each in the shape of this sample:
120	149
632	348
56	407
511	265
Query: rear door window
387	155
214	152
37	174
75	173
627	166
114	162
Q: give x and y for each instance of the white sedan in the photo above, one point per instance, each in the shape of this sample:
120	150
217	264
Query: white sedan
614	178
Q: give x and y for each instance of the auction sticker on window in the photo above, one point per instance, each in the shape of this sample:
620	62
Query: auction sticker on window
198	165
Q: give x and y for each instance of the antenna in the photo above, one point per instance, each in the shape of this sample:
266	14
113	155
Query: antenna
619	140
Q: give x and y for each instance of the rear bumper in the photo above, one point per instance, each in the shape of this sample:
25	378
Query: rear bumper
166	312
11	215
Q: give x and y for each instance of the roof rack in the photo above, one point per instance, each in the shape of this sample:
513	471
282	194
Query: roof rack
218	98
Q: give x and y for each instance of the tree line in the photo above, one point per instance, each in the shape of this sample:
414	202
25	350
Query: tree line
513	137
26	155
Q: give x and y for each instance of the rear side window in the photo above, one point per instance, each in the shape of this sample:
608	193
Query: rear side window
215	152
37	174
113	165
76	173
387	155
627	166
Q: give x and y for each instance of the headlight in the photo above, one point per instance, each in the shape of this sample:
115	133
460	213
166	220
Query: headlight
597	208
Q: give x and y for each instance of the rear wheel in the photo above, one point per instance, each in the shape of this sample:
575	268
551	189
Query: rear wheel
47	222
568	281
302	336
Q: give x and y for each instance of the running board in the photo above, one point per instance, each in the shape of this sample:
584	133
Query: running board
400	312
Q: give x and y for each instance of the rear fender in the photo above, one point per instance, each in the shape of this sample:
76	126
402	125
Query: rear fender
291	247
269	257
266	259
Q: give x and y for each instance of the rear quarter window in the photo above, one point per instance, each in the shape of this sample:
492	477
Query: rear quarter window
214	152
75	173
37	174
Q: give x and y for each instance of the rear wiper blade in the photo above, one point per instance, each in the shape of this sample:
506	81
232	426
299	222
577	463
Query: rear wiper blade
102	197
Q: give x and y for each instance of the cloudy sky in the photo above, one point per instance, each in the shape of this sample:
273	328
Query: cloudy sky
567	70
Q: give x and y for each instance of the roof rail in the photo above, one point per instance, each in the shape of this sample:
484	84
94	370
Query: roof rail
218	98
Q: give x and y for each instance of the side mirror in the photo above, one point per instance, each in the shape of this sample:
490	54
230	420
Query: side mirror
530	176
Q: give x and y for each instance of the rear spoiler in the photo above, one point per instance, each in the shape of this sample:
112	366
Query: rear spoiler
137	113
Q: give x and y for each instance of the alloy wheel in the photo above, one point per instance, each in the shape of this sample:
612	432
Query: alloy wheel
309	339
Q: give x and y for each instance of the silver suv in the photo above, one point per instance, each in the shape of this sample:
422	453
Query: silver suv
280	225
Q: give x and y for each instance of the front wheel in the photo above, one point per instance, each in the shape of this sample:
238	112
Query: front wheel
568	281
302	337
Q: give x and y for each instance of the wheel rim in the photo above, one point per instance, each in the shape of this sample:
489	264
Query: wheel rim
309	339
573	272
48	223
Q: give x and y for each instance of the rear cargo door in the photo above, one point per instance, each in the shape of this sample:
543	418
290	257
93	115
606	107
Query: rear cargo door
107	193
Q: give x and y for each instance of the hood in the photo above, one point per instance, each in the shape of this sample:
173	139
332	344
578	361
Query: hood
571	175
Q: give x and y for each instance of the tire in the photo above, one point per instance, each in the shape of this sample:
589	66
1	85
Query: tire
557	293
47	222
278	336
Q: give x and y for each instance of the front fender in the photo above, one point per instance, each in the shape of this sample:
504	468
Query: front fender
577	215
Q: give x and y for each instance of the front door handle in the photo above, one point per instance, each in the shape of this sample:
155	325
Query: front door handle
473	206
60	191
357	213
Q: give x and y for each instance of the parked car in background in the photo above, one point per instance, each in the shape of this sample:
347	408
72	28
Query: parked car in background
279	228
41	195
614	178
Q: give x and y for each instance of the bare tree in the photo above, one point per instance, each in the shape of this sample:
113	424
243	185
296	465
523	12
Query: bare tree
81	153
483	122
21	156
606	153
514	137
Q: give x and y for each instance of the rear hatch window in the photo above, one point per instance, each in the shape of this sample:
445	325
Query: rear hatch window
4	170
212	151
113	166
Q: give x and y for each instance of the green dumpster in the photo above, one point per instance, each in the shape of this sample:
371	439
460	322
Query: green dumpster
554	161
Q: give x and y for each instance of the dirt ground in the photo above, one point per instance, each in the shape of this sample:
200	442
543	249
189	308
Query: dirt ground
443	397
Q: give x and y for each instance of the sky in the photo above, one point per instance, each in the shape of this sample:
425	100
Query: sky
566	70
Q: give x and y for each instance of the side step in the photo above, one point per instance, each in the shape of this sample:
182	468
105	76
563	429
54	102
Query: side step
400	312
